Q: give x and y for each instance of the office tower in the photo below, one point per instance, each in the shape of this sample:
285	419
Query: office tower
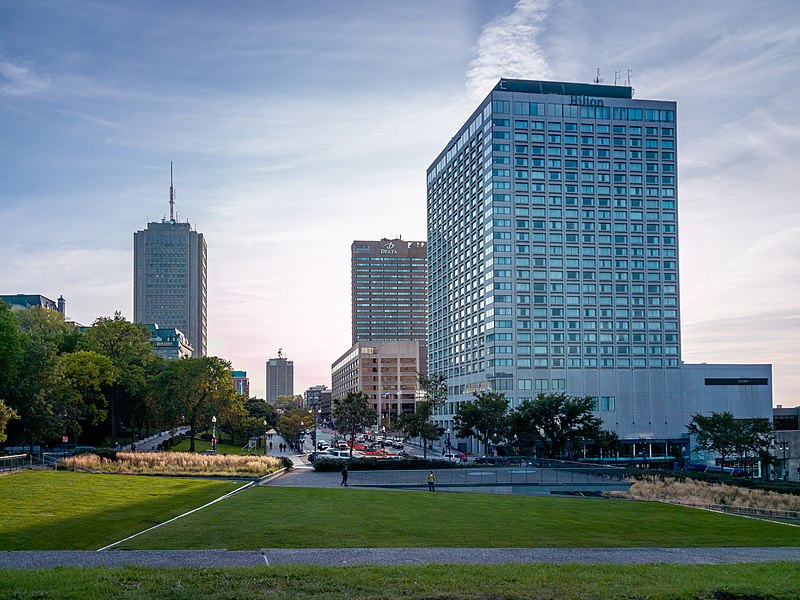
169	278
553	260
280	377
389	290
312	395
241	383
386	371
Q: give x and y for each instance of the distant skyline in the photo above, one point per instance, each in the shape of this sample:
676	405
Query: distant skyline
297	128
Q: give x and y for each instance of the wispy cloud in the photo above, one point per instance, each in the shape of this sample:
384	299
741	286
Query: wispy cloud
509	47
20	80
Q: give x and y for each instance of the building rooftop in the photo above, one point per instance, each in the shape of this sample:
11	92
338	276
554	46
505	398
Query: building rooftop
564	88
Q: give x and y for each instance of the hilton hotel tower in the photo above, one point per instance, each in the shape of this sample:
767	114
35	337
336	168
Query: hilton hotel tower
553	261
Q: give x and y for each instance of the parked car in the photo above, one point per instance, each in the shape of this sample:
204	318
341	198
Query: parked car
452	457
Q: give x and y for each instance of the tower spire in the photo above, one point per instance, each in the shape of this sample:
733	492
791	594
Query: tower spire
171	195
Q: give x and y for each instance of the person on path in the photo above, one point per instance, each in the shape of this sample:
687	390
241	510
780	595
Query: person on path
431	481
270	446
344	476
133	447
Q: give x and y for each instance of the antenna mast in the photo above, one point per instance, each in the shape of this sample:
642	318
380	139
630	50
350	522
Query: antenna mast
171	196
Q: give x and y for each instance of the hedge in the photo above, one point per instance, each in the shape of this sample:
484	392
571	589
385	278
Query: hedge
778	486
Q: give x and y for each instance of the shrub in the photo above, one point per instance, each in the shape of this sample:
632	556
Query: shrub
107	453
781	487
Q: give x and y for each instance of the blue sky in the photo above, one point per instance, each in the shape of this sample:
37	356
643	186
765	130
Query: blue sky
297	127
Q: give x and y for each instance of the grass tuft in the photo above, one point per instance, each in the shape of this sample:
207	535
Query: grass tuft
179	463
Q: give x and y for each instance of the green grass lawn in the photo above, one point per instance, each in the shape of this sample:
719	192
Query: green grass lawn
478	582
284	517
200	445
43	510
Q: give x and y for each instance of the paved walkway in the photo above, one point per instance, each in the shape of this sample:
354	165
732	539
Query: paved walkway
393	556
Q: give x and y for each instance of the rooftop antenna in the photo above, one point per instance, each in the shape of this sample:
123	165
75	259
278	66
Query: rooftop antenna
616	76
171	196
630	77
280	352
597	78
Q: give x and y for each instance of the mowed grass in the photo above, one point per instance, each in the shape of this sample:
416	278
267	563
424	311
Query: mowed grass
202	445
285	517
45	510
479	582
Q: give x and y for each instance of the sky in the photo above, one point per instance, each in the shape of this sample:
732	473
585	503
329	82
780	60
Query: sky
296	127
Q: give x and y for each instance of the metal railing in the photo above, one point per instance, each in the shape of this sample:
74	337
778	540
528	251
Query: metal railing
14	462
483	476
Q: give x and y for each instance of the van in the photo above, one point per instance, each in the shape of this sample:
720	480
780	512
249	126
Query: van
333	453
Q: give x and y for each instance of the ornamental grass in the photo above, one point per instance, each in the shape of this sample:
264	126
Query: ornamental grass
691	491
179	463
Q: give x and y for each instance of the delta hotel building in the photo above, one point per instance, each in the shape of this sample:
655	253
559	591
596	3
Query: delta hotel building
553	263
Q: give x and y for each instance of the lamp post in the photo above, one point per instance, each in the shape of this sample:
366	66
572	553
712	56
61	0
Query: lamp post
303	437
784	446
214	433
447	444
265	437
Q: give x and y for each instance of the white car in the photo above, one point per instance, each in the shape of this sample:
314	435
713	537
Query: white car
452	457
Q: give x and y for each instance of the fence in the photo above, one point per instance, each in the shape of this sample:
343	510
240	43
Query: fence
739	510
486	476
14	462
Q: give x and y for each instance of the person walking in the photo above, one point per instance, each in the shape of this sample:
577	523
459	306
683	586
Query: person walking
344	476
431	482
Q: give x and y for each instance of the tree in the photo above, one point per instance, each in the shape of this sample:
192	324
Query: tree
193	390
11	346
560	422
717	432
250	422
418	424
353	413
485	418
128	346
33	393
82	377
6	414
289	402
292	423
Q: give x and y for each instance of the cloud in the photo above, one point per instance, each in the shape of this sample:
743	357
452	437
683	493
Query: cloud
508	47
20	80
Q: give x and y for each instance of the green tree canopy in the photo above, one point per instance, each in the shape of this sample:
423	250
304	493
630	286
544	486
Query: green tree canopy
353	413
11	347
727	436
128	346
83	377
558	421
193	390
419	424
33	393
486	418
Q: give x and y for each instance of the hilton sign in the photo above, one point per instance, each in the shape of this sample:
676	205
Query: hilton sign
584	101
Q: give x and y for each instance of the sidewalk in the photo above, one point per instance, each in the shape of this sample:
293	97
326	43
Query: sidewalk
392	556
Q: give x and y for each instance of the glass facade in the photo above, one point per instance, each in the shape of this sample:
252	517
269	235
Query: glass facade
552	240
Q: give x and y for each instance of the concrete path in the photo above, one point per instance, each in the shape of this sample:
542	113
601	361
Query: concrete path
393	556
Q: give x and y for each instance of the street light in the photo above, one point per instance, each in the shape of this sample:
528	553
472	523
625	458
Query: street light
784	445
214	433
447	444
303	438
265	437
